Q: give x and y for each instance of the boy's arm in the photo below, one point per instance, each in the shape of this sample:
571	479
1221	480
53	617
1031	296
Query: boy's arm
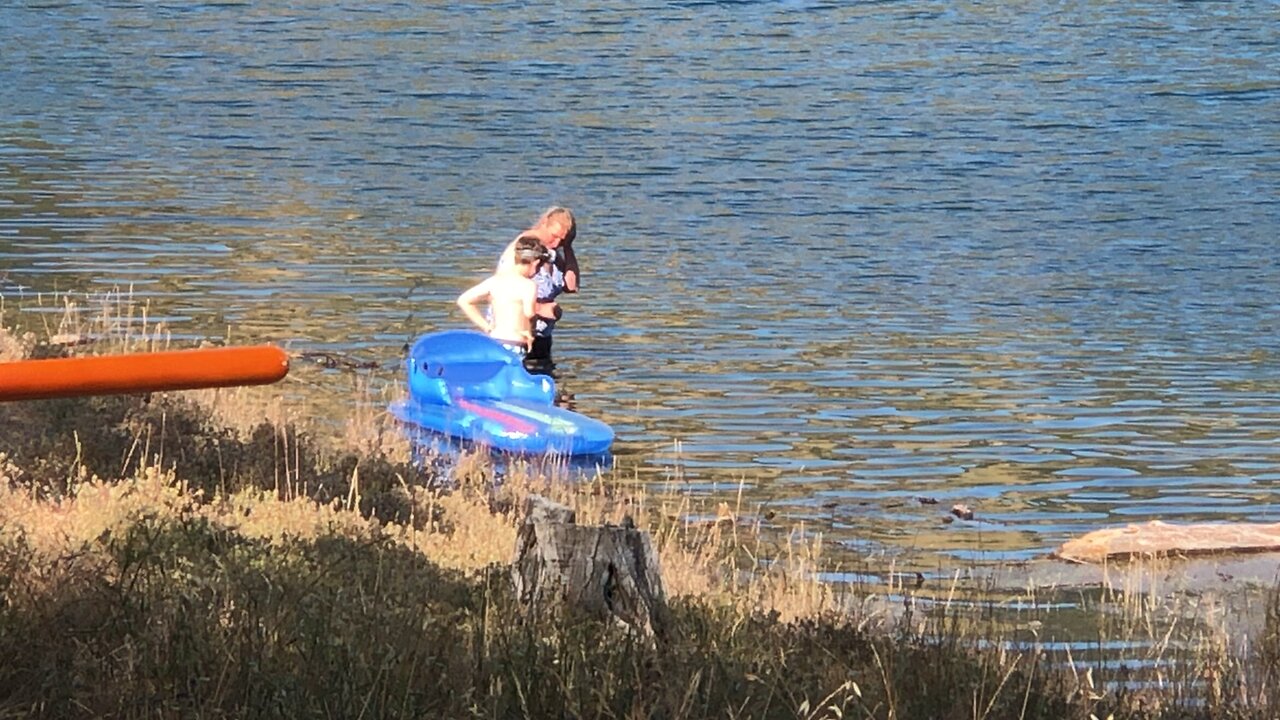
571	274
469	302
529	305
529	301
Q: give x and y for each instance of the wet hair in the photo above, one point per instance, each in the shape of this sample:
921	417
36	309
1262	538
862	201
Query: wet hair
529	250
564	215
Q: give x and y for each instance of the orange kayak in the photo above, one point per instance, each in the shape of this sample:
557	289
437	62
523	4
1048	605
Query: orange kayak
142	372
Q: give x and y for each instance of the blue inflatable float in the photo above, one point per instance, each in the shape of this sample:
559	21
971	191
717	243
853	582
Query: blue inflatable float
464	385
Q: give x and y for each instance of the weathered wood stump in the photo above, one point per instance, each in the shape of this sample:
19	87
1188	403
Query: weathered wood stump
605	572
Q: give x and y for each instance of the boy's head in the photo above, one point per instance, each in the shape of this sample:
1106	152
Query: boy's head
529	253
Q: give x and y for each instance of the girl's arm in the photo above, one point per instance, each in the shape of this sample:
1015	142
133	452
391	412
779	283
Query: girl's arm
571	274
508	256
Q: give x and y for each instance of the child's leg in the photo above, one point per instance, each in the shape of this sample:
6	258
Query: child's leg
541	348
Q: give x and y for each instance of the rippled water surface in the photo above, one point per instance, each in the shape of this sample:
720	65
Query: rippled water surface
852	257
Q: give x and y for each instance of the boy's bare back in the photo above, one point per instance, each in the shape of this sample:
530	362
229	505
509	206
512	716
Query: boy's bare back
511	298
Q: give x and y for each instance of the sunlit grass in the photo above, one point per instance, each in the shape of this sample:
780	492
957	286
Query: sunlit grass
217	553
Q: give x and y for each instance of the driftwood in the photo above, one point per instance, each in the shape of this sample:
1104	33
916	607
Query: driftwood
605	572
1158	539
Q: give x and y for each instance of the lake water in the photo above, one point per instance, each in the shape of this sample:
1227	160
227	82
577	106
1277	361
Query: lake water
844	258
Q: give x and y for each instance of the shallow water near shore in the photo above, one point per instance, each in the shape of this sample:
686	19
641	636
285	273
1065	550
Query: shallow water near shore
845	265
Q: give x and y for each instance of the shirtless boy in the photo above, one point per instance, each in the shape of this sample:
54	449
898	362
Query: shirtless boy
512	295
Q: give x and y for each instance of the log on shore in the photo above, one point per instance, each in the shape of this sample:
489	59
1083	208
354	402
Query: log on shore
1158	539
604	572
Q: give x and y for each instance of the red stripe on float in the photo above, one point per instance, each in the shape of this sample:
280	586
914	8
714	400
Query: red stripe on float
505	419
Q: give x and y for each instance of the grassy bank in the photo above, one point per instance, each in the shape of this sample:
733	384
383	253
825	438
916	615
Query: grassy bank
216	554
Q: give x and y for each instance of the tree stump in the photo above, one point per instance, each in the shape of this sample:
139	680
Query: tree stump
605	572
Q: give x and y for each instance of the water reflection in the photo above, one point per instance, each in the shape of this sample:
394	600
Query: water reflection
862	262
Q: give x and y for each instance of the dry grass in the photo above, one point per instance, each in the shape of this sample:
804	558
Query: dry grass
216	554
14	347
